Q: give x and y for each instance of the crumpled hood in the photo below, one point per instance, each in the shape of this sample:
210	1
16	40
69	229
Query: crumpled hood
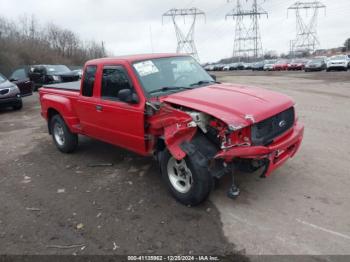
236	105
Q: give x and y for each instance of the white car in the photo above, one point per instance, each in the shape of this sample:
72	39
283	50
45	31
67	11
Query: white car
269	65
338	62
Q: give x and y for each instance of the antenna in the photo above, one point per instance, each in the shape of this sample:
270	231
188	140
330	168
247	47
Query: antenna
185	40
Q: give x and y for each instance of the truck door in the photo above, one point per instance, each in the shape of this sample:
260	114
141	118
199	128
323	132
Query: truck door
120	122
86	103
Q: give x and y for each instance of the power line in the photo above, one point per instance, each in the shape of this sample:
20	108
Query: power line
247	41
306	38
185	40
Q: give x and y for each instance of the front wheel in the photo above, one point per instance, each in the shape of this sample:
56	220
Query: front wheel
64	139
189	183
19	105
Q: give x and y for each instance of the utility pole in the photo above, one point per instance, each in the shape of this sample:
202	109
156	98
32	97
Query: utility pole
306	38
185	39
247	41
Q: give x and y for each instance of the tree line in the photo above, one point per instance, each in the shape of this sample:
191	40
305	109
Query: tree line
27	42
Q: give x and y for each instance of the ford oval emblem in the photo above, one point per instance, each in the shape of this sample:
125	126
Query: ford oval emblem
282	124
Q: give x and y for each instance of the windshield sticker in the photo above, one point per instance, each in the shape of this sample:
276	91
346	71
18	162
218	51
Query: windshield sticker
146	68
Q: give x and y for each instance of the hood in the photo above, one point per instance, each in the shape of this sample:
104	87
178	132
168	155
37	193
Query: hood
6	84
235	105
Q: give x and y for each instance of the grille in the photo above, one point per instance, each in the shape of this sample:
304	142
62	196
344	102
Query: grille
4	91
264	132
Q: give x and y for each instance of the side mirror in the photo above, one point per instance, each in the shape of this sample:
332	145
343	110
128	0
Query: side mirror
213	76
127	96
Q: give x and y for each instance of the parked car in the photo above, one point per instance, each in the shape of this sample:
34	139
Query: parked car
269	64
10	95
338	63
51	74
316	64
281	65
78	72
241	66
234	66
20	78
297	64
219	67
169	107
227	67
209	68
258	66
248	66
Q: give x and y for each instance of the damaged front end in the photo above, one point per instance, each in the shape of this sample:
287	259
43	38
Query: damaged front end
220	147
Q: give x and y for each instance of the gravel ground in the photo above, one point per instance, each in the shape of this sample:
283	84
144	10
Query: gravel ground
51	201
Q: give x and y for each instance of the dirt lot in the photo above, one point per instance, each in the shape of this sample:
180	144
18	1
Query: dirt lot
50	200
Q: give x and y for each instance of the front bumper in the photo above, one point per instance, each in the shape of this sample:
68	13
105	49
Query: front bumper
10	101
277	153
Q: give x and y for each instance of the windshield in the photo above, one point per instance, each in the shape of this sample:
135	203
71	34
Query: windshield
339	57
2	78
57	69
171	74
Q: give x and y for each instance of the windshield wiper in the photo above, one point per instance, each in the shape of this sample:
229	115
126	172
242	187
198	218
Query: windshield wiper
169	88
202	82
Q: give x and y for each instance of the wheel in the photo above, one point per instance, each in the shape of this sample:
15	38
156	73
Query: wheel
328	70
64	139
189	183
18	106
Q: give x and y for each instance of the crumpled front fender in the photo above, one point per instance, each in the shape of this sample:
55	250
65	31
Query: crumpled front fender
175	126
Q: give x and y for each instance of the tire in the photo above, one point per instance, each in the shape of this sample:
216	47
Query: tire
63	138
19	105
201	182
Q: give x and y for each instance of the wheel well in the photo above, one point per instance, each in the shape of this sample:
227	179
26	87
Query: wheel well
50	114
160	145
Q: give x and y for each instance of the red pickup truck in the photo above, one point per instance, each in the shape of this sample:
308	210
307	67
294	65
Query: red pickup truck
168	106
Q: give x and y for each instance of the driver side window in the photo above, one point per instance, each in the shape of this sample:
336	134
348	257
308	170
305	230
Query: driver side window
114	79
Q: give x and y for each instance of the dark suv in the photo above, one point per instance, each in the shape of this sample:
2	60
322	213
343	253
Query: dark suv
51	74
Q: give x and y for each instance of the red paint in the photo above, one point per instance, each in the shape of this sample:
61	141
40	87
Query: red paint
127	125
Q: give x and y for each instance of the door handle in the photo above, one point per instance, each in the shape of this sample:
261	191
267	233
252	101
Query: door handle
99	108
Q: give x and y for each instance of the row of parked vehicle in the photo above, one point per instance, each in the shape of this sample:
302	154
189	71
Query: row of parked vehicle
337	62
23	81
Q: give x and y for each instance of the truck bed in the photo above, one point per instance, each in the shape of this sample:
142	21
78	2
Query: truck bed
70	86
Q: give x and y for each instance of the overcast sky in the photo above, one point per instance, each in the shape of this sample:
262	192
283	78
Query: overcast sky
126	26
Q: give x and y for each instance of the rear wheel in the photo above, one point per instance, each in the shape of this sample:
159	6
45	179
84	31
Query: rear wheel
64	139
189	183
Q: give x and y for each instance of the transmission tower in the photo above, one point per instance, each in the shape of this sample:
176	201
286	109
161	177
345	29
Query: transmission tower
185	39
247	41
306	39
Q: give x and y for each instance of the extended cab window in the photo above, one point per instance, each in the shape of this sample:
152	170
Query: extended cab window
89	81
114	79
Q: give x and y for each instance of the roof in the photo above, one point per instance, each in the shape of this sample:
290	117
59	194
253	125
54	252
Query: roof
133	58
